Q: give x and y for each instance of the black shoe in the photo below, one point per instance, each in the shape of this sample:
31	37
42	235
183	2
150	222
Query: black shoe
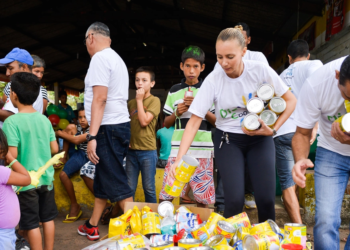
22	244
18	237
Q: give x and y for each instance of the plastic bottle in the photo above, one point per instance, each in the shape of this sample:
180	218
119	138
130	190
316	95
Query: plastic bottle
168	225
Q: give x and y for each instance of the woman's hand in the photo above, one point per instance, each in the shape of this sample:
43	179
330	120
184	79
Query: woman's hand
172	170
264	130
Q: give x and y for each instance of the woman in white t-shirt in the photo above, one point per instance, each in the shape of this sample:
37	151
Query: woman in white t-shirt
236	149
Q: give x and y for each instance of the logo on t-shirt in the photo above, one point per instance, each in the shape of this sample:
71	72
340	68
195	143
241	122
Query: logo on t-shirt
334	117
233	113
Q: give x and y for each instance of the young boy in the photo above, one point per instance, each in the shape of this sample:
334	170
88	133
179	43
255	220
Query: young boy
32	141
176	107
142	154
76	136
64	106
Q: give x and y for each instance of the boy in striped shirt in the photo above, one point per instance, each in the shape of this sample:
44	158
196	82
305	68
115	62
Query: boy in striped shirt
176	107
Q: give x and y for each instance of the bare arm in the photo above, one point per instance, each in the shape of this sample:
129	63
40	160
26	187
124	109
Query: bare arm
210	117
19	176
4	114
71	138
144	117
54	147
169	121
314	134
44	105
291	103
4	98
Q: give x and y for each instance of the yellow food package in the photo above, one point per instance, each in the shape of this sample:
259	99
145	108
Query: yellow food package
126	217
135	221
117	226
146	210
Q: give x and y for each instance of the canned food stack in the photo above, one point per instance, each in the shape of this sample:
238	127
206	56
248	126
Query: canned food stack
265	106
183	175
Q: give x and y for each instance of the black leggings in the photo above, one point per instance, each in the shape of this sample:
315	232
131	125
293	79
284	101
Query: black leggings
257	155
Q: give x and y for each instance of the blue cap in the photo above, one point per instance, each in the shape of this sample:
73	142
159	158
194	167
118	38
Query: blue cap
17	54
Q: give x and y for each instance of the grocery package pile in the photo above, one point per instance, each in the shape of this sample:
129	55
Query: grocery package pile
265	106
181	229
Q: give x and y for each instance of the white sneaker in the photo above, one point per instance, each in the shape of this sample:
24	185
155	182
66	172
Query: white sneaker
249	201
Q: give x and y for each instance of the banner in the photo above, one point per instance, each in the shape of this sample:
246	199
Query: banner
335	12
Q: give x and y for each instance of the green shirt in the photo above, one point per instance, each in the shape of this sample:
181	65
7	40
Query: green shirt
165	135
202	145
31	133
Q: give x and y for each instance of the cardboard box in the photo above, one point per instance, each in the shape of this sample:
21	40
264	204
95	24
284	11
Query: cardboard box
204	213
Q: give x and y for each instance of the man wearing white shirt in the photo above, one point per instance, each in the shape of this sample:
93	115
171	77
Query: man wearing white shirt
321	99
249	197
294	77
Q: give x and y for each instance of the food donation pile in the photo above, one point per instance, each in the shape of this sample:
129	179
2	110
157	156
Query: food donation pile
182	229
265	105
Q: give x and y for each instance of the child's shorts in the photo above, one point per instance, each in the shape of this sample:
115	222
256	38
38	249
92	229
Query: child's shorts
201	183
75	162
88	170
37	205
7	239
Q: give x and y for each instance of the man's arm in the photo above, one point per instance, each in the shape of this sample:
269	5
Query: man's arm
97	109
210	117
72	138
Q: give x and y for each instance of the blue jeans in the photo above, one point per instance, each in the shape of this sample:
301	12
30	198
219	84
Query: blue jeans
331	178
7	239
219	193
144	161
76	161
284	160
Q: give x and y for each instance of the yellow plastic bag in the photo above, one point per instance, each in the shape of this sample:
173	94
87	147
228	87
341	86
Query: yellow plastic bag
146	210
117	226
126	217
135	221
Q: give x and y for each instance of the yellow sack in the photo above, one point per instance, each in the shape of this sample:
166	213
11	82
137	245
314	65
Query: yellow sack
126	217
117	226
146	210
135	221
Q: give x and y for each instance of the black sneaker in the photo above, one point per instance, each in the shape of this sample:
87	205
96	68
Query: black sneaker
22	244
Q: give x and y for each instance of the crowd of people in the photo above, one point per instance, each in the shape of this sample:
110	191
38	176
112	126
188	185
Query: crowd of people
203	119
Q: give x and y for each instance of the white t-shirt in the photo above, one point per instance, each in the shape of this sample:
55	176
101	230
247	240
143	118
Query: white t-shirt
294	77
320	101
109	70
37	105
228	93
250	55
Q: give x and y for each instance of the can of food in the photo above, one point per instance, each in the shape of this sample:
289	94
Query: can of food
260	228
212	221
268	117
174	187
216	240
296	233
266	240
161	238
161	245
291	246
226	229
251	122
117	227
125	246
175	248
187	225
344	122
186	168
277	105
201	248
265	92
183	209
255	105
165	207
135	240
223	247
200	232
239	220
238	245
181	217
143	248
189	243
242	232
151	223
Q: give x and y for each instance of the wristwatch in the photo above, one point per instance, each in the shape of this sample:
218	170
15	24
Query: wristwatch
90	137
274	132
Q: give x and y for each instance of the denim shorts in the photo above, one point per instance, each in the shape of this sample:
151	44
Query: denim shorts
111	181
76	161
284	160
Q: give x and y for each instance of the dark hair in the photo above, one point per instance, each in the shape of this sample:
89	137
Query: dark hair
61	93
20	65
38	62
100	28
81	109
193	52
147	70
245	28
344	71
26	86
4	147
298	48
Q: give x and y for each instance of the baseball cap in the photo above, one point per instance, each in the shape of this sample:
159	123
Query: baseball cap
17	54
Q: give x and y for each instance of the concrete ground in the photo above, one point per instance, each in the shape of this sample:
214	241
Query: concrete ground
67	238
